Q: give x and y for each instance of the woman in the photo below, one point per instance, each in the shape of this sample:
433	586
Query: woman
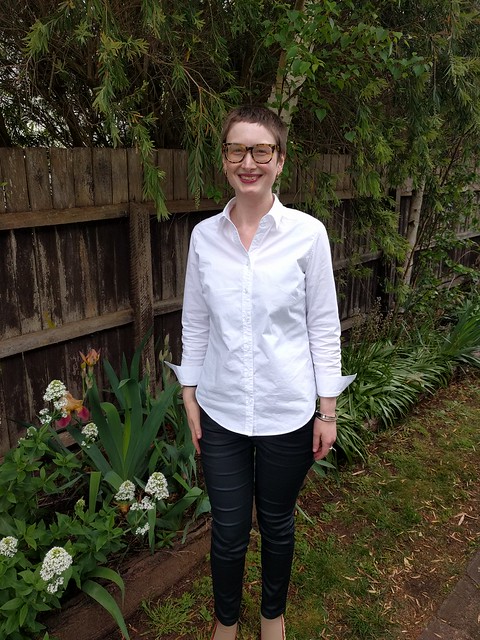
261	341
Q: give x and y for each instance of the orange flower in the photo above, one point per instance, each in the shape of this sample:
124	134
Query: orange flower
72	403
91	358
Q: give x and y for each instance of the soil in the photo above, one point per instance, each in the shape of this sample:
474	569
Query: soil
434	563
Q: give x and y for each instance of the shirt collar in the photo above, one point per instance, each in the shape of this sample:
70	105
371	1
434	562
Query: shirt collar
275	213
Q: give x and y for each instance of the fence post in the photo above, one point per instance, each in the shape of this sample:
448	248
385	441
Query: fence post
141	285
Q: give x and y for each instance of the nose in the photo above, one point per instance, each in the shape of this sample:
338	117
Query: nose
248	162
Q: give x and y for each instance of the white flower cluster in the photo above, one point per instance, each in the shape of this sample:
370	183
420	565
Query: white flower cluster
126	492
8	546
157	486
30	433
90	433
54	564
44	416
56	390
145	504
140	531
53	587
59	406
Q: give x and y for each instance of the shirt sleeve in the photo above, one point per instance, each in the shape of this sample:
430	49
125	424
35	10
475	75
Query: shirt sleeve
323	323
195	323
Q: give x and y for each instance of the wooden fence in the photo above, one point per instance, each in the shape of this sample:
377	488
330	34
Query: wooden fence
85	263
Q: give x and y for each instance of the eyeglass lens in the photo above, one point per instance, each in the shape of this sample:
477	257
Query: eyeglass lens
262	153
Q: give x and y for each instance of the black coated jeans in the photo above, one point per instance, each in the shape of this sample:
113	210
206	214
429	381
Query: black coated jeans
238	468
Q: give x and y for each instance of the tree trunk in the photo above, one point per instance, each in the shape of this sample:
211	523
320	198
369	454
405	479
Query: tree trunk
284	95
5	139
412	230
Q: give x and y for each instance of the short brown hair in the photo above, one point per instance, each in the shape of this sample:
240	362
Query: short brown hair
258	115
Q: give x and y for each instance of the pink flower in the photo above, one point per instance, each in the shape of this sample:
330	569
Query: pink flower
83	414
72	405
63	422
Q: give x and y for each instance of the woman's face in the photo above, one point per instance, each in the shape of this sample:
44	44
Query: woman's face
249	177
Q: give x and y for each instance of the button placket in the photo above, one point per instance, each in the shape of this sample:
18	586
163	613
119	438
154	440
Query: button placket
248	344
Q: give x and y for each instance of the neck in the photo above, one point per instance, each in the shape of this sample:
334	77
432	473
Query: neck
246	215
248	210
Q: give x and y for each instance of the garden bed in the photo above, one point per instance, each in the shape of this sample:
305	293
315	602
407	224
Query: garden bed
145	576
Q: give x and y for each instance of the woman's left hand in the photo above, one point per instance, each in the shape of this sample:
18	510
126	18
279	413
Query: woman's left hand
324	436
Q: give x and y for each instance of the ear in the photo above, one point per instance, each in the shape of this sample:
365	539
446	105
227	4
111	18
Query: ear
280	163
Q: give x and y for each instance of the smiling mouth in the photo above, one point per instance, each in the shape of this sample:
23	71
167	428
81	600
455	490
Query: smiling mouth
249	177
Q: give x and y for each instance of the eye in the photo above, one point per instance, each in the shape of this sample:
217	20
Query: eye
262	150
236	149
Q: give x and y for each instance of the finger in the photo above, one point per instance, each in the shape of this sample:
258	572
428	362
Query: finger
196	432
321	453
316	442
317	436
196	444
323	449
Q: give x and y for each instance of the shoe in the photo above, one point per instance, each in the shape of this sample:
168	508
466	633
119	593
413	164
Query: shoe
224	632
269	633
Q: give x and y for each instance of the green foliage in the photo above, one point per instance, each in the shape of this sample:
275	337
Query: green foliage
33	519
397	362
462	342
394	86
173	616
137	75
376	219
25	478
90	502
128	432
104	598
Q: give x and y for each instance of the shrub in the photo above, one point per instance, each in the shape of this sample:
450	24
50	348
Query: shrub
66	512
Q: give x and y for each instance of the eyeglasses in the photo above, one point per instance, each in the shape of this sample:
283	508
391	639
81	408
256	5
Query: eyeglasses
261	153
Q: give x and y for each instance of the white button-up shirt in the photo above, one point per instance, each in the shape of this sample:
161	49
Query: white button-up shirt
261	333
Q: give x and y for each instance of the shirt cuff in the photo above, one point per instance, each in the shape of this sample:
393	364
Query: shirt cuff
187	375
332	386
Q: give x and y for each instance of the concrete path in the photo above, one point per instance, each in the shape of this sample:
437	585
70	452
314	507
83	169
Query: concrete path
458	618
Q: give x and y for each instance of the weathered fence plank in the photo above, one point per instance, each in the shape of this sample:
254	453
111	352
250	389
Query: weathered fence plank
180	178
72	215
165	163
5	443
102	176
28	342
12	167
26	281
119	175
63	182
141	281
38	179
10	320
83	177
135	176
16	395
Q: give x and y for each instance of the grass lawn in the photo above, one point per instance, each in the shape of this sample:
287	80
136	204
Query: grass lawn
378	547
